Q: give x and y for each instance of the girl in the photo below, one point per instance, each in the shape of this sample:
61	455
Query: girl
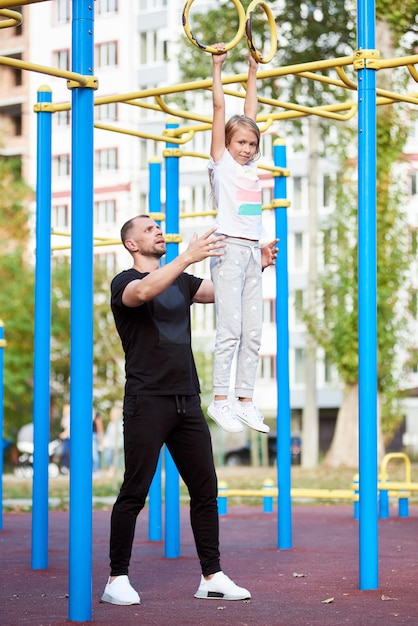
237	274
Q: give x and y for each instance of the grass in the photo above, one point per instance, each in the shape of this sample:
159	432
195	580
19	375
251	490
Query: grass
107	487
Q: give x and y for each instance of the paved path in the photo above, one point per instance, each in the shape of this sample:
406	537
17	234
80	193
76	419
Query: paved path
289	587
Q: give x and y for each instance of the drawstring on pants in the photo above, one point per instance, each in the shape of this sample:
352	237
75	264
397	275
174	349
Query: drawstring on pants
181	404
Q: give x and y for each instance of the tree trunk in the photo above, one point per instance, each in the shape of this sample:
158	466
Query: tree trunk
343	451
310	420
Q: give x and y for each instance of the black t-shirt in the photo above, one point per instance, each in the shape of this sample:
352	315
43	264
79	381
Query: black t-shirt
156	337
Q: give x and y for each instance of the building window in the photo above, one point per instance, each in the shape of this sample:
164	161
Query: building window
298	251
106	6
107	54
297	193
60	216
108	112
413	238
413	361
413	184
16	72
107	262
61	165
144	204
61	59
105	212
327	369
63	118
268	367
326	246
299	365
17	124
299	294
143	48
326	190
413	304
269	311
106	159
62	11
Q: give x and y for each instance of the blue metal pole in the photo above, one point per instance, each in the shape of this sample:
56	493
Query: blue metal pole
155	493
367	272
172	481
155	186
2	346
41	368
155	505
172	508
282	358
81	365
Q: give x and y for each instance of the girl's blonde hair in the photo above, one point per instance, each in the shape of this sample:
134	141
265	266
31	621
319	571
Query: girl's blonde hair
232	125
242	121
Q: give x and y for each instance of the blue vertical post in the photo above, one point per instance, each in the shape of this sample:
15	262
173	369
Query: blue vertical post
222	498
282	358
155	508
155	492
172	508
81	364
42	334
155	186
367	272
2	346
172	481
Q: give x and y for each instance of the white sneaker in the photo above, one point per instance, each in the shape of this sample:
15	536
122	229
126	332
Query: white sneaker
120	591
248	413
225	418
221	587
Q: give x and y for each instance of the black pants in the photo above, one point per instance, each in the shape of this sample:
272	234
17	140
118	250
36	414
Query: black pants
177	421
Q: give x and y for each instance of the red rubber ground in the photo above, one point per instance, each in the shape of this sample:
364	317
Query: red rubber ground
289	587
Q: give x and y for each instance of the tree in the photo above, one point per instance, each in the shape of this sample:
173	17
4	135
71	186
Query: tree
16	296
325	30
108	373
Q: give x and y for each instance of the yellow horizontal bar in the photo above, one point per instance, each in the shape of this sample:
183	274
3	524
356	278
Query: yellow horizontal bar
198	214
325	494
398	486
14	3
79	79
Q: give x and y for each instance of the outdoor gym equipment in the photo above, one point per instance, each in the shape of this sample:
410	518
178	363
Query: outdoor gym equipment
245	25
365	62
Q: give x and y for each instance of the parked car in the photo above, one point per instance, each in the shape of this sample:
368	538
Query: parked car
242	456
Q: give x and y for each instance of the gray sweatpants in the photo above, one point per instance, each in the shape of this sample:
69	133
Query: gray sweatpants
238	302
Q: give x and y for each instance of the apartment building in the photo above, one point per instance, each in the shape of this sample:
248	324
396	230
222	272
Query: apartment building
136	47
14	88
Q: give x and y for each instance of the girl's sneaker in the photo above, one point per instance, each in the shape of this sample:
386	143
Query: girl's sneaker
248	413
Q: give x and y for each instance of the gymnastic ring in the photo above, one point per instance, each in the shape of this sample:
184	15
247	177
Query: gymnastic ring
212	49
249	33
14	18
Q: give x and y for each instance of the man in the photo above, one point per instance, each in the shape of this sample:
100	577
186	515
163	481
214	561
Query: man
151	307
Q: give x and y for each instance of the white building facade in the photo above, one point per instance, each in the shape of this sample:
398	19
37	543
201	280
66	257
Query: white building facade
136	48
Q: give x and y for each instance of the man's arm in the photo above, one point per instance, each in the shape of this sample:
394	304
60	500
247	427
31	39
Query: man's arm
143	290
206	295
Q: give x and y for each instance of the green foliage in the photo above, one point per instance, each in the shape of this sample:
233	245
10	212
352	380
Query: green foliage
336	329
16	296
401	16
108	374
314	32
